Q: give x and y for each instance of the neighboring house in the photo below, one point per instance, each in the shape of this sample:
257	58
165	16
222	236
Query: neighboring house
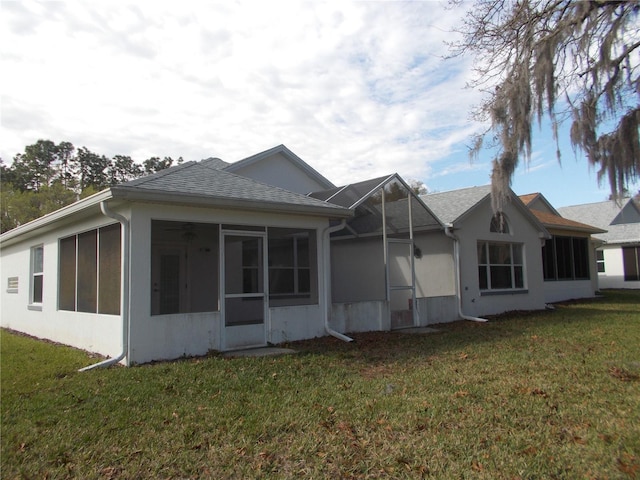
569	256
619	256
498	257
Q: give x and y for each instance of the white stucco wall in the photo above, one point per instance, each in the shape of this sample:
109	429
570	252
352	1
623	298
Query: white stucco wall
89	331
357	270
613	276
435	273
475	227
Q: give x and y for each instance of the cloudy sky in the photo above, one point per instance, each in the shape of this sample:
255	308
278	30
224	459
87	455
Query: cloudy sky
356	89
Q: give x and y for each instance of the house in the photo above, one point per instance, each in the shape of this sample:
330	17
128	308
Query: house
212	255
618	258
569	256
191	259
497	257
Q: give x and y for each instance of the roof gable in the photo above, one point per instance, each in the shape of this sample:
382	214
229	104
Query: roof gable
454	206
622	223
280	167
537	201
203	182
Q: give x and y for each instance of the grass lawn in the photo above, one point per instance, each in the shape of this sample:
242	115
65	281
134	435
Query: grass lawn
544	395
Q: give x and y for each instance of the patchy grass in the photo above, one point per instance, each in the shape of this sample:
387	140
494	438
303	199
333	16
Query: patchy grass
544	395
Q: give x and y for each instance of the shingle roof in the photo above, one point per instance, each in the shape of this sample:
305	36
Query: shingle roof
550	220
450	206
206	182
609	216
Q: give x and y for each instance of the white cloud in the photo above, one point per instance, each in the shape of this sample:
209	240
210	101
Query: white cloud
357	89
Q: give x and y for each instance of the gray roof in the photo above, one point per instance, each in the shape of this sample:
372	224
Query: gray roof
204	183
451	206
622	221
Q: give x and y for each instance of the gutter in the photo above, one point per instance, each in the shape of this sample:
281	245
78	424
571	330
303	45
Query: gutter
456	261
124	298
327	280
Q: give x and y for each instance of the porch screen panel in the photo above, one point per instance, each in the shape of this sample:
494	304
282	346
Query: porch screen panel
88	272
109	270
581	258
67	274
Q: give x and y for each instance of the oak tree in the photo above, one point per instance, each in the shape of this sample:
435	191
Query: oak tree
564	60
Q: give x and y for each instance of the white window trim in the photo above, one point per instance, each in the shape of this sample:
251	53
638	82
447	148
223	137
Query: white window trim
513	289
32	275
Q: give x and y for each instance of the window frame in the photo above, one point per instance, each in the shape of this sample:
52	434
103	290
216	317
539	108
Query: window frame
84	265
600	262
292	263
517	269
36	287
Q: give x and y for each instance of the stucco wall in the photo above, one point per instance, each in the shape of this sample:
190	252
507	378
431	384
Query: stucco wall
435	274
89	331
279	171
357	270
475	227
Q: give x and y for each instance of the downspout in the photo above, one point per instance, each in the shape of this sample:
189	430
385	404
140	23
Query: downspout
124	300
456	261
327	280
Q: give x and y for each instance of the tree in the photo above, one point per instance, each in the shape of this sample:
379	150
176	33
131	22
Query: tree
123	169
561	59
35	167
91	169
154	164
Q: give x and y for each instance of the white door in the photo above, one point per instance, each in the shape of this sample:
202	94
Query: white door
401	283
244	290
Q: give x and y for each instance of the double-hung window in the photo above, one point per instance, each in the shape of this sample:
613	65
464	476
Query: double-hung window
500	266
37	276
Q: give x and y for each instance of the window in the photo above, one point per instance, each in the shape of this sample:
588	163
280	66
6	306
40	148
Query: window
500	266
566	258
292	266
89	271
600	260
37	275
631	263
499	223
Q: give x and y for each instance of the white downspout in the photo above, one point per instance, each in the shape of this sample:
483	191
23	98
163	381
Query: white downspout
456	261
326	304
124	298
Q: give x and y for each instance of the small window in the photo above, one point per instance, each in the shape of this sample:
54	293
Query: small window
37	275
499	223
600	260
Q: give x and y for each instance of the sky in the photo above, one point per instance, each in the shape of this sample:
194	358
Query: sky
356	89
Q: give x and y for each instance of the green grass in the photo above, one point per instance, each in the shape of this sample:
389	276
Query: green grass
544	395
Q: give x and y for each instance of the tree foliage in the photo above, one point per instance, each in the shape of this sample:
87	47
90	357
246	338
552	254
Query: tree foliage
576	61
47	177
